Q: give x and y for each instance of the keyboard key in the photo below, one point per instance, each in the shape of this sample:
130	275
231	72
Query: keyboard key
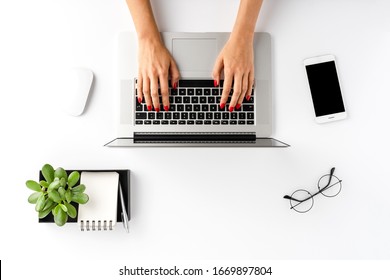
178	99
192	116
203	99
198	91
241	122
225	115
217	116
140	116
250	122
211	99
205	107
198	122
190	122
176	116
200	116
233	122
139	122
207	122
139	107
160	116
194	99
151	116
156	122
180	107
147	122
209	116
215	91
186	99
250	116
247	108
182	91
168	115
188	107
172	122
174	92
164	122
213	107
216	122
197	108
172	107
206	91
225	122
233	115
182	122
241	116
190	91
251	100
184	116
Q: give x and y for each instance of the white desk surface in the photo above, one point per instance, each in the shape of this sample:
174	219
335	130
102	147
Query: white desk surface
202	204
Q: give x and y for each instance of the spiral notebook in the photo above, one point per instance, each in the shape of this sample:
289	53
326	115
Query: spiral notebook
100	213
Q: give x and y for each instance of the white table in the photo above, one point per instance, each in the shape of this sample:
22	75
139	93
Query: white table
202	204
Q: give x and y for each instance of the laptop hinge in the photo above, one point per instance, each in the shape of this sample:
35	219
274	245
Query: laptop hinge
194	137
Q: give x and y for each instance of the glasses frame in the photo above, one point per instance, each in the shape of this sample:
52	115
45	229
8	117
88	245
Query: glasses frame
311	196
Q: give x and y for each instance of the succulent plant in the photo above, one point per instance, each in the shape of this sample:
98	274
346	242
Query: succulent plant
55	194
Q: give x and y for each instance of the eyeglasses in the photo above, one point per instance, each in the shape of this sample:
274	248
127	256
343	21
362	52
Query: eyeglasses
302	201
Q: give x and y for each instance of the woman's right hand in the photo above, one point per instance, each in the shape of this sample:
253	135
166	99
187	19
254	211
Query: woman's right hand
156	67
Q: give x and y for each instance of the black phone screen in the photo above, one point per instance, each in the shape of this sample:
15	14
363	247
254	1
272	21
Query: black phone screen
325	88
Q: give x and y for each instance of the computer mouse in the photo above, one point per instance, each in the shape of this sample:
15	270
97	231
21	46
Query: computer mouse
77	87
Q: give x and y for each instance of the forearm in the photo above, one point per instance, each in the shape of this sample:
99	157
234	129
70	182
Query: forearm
145	24
247	15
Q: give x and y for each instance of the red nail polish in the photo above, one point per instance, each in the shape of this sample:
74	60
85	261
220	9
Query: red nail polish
157	109
149	108
248	97
238	106
231	108
215	83
139	100
175	85
166	108
222	105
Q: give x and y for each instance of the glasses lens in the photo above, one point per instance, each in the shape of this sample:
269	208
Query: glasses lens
302	201
329	188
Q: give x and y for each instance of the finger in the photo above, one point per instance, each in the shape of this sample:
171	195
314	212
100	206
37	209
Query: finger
245	82
227	86
236	91
164	91
218	66
139	88
154	93
146	93
174	72
251	81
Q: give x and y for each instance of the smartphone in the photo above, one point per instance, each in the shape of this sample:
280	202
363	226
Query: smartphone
325	88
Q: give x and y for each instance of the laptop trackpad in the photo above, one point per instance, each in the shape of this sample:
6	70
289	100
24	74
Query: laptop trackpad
196	55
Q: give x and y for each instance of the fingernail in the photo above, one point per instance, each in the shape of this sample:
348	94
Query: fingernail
166	108
139	100
222	105
238	106
175	85
157	109
231	108
248	97
215	83
149	108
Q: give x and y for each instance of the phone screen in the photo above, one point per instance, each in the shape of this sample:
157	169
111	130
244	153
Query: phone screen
325	88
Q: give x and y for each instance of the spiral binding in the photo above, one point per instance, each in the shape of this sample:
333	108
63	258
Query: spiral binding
93	226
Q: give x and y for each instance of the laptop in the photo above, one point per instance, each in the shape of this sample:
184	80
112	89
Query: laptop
194	118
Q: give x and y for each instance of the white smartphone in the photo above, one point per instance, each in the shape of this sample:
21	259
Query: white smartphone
325	88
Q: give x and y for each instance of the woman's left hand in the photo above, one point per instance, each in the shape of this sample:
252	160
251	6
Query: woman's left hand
236	61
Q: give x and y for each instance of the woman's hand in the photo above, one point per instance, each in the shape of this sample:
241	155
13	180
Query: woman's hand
236	62
156	66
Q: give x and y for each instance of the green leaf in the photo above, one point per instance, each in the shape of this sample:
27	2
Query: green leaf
79	189
44	184
72	212
40	203
56	209
64	207
32	185
73	178
60	217
68	195
63	182
80	198
55	196
33	198
53	186
49	204
48	173
62	191
61	173
45	212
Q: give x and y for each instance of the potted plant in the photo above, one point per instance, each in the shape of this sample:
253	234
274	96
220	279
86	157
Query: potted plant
57	193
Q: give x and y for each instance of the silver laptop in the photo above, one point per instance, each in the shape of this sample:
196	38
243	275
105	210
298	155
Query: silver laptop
194	118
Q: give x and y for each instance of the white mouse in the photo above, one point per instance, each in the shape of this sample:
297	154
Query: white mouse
77	87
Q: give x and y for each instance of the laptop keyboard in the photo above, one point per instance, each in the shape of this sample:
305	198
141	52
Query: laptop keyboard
196	102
